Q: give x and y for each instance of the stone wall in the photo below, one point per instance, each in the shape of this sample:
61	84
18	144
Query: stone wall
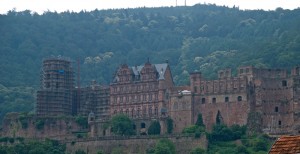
134	145
60	128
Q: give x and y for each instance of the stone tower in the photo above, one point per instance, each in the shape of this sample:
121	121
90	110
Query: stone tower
57	83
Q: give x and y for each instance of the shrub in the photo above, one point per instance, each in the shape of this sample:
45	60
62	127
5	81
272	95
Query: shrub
198	150
154	128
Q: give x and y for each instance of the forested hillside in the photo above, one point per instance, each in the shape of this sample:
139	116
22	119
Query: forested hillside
201	37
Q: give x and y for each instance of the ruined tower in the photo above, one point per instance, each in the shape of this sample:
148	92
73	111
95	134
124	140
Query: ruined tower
57	83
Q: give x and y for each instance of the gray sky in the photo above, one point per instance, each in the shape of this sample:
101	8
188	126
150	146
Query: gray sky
40	6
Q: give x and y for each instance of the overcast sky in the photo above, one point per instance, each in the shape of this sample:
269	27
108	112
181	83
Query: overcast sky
40	6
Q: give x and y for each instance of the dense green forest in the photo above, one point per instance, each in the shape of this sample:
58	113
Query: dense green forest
205	38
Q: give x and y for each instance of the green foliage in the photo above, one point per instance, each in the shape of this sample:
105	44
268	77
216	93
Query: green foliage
16	99
39	124
193	129
250	145
199	121
242	150
154	128
35	147
198	150
121	125
164	146
100	152
205	38
224	133
169	125
82	121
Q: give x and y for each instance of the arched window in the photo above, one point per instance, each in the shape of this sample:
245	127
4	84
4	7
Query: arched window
143	125
239	98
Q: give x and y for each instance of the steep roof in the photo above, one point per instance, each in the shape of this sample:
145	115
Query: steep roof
160	68
286	145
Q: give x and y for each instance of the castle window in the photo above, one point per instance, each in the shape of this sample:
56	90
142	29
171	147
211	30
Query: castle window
276	109
138	97
226	99
247	70
195	89
279	123
115	89
156	96
127	112
144	97
284	83
241	71
156	111
214	100
133	127
150	97
143	125
127	98
203	100
121	89
239	98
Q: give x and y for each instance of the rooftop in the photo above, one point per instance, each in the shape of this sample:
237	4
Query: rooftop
286	145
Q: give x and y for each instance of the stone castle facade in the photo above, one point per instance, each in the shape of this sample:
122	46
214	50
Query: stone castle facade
265	99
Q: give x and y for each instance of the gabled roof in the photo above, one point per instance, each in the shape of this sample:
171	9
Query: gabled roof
160	68
286	145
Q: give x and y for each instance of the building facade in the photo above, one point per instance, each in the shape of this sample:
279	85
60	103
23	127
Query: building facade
265	100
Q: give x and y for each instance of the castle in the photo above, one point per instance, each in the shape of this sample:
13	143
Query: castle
266	100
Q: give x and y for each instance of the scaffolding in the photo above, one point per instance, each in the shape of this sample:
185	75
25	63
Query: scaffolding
57	84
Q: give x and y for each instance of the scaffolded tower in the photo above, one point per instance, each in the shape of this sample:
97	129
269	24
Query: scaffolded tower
57	85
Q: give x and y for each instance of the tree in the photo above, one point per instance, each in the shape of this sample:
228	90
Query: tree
154	128
199	121
121	125
169	125
82	121
164	146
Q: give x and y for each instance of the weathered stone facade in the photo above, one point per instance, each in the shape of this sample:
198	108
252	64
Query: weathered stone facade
266	99
272	93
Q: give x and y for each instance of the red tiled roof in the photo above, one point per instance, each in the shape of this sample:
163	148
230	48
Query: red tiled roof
286	145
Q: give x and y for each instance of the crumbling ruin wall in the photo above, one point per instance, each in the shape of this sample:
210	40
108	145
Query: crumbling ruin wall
16	125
